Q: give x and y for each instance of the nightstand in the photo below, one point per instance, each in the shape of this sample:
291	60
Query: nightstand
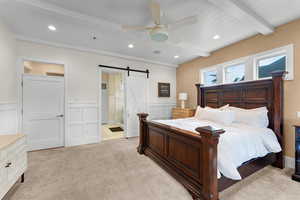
182	113
296	176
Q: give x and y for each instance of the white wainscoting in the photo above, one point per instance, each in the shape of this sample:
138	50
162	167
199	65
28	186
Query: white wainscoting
161	110
82	123
289	162
8	118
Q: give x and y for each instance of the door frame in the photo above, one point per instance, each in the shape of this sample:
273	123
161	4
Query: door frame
20	72
100	100
124	74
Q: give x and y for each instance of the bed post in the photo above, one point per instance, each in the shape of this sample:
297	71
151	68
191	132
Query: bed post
210	140
278	114
143	130
200	95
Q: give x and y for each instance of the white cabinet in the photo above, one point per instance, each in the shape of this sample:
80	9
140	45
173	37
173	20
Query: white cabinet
13	161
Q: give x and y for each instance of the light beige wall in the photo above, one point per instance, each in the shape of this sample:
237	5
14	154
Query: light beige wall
188	73
40	68
8	87
82	74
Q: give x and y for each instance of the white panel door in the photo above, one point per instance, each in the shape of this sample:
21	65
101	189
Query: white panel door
136	101
43	111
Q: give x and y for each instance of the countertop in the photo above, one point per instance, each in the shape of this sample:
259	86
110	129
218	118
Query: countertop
6	140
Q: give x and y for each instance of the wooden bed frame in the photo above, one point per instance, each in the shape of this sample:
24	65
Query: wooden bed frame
192	158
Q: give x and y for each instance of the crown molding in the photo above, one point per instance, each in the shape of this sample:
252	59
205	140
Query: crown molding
105	23
100	52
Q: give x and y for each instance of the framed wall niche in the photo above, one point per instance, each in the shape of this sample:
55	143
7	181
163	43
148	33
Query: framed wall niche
164	89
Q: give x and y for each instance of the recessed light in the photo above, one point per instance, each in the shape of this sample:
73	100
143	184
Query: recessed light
216	37
52	28
156	51
176	56
130	46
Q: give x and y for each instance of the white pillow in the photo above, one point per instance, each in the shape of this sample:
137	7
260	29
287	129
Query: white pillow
262	109
257	117
197	111
225	117
207	107
220	108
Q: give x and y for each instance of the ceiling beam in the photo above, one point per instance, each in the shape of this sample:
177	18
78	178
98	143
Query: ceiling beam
244	14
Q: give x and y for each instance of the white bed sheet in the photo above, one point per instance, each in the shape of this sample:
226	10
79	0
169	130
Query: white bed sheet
240	143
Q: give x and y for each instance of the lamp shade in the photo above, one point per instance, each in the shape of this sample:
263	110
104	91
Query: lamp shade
183	96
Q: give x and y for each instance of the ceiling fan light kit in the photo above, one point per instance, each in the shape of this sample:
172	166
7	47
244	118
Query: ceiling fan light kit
159	35
159	32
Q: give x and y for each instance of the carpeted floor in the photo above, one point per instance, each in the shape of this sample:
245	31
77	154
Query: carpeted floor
113	170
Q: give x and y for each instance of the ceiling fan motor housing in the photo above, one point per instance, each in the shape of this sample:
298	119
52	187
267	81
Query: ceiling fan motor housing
159	34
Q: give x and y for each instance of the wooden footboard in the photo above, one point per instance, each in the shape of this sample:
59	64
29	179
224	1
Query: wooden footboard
191	158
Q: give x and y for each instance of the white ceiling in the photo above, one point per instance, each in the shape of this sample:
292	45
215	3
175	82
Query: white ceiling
78	21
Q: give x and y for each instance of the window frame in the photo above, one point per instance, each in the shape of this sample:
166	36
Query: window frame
263	58
231	64
288	51
209	69
251	65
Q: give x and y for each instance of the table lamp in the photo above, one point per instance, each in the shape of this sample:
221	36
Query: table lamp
183	97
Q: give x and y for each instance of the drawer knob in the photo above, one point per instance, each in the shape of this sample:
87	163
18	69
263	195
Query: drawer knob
8	165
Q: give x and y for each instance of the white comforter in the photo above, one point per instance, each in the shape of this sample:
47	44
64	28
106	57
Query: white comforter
240	143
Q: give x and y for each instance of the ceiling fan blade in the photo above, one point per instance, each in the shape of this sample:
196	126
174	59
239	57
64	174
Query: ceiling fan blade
155	12
136	28
183	22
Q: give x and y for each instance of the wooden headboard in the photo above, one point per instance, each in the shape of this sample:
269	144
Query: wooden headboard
252	94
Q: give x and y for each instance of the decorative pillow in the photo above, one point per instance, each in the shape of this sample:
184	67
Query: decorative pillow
257	117
225	117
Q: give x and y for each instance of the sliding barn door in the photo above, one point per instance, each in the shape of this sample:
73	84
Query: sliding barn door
136	101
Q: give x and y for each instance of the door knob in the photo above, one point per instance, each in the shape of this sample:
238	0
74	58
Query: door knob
59	115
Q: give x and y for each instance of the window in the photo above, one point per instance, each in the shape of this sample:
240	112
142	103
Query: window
265	66
252	67
210	77
235	73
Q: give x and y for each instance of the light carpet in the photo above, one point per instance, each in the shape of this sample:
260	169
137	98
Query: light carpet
113	170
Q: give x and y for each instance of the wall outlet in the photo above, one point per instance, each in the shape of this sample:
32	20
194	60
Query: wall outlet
298	114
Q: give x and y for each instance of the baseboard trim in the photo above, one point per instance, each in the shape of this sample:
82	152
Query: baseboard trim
289	162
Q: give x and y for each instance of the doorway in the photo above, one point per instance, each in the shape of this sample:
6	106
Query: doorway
131	98
112	105
43	99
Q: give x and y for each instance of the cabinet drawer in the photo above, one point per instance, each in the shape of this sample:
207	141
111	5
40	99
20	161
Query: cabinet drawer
3	177
3	170
16	154
2	155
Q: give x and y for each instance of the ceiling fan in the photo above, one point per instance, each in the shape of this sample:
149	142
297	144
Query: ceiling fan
160	32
